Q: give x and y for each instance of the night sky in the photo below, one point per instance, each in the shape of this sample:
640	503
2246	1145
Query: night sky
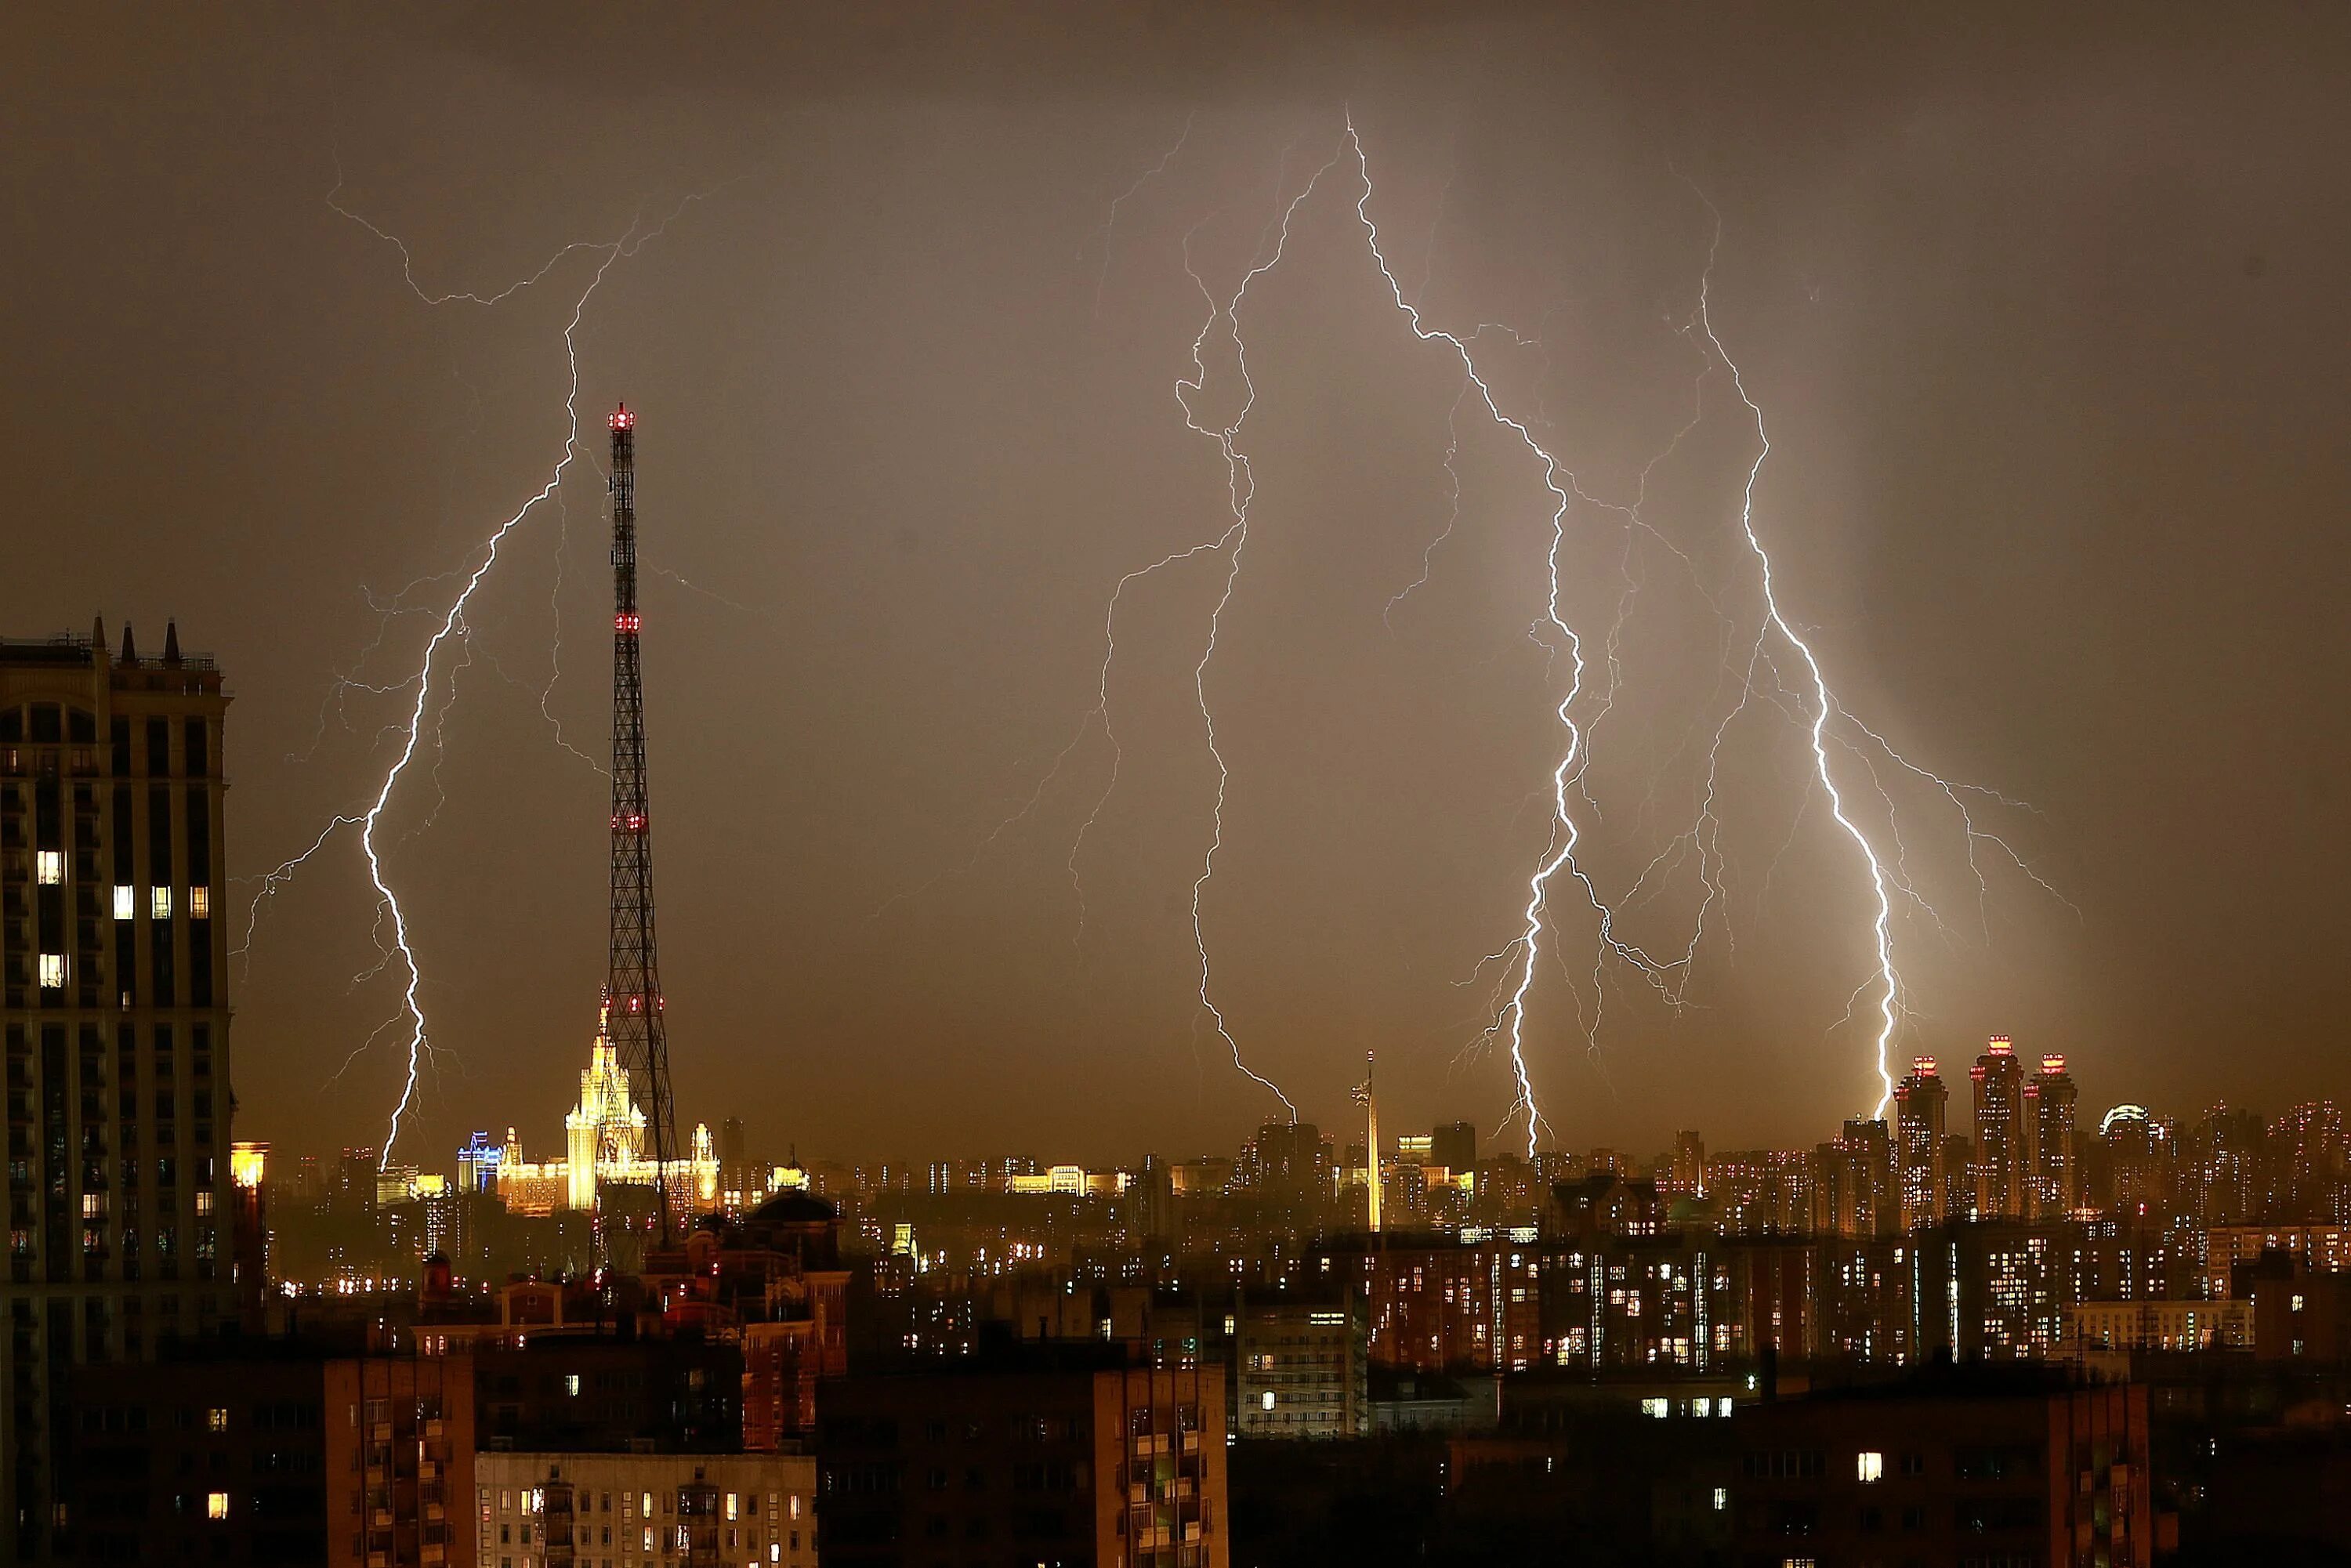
2047	321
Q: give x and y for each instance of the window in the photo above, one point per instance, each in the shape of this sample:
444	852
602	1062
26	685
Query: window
571	1384
126	902
200	903
52	971
216	1505
1658	1408
1721	1499
159	903
216	1419
1869	1465
49	867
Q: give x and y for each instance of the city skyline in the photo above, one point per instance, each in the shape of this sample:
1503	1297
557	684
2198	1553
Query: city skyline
877	599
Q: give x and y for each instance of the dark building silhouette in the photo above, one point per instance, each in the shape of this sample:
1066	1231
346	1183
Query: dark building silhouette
114	1008
1455	1146
1028	1454
1948	1469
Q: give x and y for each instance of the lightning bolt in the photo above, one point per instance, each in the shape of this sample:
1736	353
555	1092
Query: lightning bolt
1240	492
452	628
1110	223
1558	856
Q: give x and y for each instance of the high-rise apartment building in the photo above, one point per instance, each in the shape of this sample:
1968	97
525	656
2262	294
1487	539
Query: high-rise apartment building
2001	1132
114	1005
1856	1193
2055	1174
1921	1109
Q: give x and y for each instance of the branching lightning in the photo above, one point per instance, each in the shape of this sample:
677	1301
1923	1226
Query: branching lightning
1758	645
452	628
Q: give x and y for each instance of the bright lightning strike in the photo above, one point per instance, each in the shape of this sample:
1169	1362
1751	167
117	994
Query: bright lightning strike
1559	855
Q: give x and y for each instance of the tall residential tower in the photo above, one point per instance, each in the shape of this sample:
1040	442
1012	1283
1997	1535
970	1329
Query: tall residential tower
114	1004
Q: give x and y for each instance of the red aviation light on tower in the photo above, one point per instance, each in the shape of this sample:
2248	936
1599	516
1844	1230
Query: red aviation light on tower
1924	1066
2000	1045
622	419
629	620
2053	1063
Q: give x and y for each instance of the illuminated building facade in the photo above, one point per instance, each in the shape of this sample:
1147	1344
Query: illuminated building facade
1302	1371
2055	1184
1762	1192
115	1009
668	1508
1857	1194
1921	1111
605	1144
2001	1132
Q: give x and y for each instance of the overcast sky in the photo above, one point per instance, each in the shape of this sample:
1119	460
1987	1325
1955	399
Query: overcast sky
2047	326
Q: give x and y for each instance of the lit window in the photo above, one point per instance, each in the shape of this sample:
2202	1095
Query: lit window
216	1419
734	1504
1869	1466
796	1505
200	903
1722	1406
2297	1303
1657	1407
774	1552
159	903
1269	1399
204	1202
571	1384
52	971
1721	1499
216	1505
126	902
49	867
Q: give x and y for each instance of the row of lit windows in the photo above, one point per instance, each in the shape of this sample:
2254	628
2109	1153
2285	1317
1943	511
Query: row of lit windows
50	871
736	1505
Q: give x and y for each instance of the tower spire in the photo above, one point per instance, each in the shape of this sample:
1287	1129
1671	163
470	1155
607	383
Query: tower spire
632	998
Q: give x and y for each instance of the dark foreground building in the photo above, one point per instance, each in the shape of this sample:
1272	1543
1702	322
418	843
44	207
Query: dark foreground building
1950	1470
1047	1454
114	1005
270	1453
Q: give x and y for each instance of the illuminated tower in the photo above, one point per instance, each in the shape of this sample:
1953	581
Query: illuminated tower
1371	1145
633	998
1921	1108
2056	1189
2001	1132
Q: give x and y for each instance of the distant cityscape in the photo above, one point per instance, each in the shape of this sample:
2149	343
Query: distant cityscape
2051	1337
